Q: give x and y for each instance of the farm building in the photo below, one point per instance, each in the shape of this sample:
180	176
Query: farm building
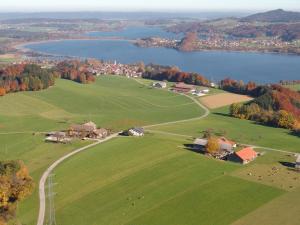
183	88
57	137
87	130
243	156
297	165
225	147
136	131
159	84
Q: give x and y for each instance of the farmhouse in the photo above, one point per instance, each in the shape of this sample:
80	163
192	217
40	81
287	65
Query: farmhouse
87	130
57	137
183	88
159	84
243	156
136	131
297	165
225	147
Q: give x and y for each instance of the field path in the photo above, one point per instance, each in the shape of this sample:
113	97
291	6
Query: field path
45	175
42	195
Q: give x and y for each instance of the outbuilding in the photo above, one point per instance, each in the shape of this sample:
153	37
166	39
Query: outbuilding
136	131
244	156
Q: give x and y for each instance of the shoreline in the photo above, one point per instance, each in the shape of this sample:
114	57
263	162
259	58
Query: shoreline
23	49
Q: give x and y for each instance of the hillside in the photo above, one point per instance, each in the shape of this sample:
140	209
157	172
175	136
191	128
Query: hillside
278	15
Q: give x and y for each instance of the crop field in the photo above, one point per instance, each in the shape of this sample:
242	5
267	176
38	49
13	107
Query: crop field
151	180
223	99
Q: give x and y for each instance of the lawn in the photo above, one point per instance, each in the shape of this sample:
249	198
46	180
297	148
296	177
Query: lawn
152	180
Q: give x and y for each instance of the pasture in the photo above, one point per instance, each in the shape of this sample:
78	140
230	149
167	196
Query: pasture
112	102
153	180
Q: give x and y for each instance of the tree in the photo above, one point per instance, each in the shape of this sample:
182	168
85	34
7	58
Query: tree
213	145
2	91
285	119
15	186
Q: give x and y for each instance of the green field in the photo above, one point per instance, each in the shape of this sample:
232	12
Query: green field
150	180
242	131
153	180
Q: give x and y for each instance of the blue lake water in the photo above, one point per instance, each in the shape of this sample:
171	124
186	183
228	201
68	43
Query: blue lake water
137	32
214	65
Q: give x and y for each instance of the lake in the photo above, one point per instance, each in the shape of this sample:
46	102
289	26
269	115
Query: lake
215	65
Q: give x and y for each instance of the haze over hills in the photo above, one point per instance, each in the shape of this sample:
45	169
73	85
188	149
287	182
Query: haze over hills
274	16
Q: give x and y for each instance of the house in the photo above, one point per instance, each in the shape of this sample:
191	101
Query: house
136	131
99	133
243	156
224	143
87	130
57	137
225	148
223	140
183	88
159	84
297	165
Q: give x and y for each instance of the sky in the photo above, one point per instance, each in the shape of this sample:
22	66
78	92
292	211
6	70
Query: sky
147	5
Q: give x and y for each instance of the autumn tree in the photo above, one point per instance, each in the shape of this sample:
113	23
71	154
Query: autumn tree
15	186
2	91
213	145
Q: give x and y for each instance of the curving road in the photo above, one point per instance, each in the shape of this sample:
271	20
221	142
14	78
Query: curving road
42	195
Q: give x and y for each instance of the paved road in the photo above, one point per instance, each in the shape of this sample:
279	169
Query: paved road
42	195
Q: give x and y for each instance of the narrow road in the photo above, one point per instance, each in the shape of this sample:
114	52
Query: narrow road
45	175
42	195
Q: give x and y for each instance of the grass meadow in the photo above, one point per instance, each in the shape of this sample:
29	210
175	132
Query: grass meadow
151	180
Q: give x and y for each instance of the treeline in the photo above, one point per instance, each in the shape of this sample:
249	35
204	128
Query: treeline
15	185
25	77
173	74
32	77
76	70
274	105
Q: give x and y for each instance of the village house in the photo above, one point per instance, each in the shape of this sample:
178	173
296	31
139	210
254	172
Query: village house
244	156
136	131
159	84
297	165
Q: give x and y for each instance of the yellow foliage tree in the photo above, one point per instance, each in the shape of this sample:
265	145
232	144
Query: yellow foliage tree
15	185
213	145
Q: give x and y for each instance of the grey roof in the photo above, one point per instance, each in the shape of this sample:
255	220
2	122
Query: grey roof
200	141
138	129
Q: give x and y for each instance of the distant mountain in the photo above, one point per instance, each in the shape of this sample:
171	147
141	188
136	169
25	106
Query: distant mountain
278	15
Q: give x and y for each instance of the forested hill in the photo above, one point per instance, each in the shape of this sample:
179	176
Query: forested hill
274	16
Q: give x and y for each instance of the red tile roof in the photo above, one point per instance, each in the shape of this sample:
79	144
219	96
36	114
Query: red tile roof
246	154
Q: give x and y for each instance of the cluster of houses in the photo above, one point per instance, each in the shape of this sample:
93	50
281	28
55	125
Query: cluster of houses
187	88
181	87
87	130
226	150
116	69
